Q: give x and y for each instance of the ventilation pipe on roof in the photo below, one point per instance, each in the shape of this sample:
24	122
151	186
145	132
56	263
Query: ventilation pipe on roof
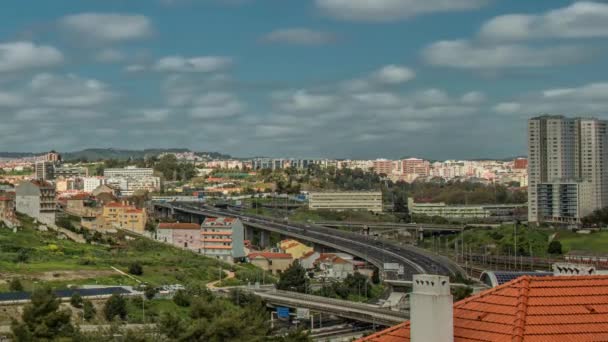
564	269
431	309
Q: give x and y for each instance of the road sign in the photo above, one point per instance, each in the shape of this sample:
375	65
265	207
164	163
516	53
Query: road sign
391	266
302	313
282	312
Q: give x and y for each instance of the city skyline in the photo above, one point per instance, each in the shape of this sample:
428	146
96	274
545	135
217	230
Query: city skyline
312	79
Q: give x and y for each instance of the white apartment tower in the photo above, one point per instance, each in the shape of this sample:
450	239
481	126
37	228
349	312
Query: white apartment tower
566	150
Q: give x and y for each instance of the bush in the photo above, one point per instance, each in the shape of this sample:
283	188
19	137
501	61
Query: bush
181	298
88	310
115	306
136	269
150	292
15	285
555	248
23	255
76	300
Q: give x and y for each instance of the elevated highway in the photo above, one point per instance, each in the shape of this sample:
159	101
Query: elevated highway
350	310
377	251
392	226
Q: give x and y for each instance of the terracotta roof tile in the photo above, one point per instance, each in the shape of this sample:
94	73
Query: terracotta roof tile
169	225
269	255
529	309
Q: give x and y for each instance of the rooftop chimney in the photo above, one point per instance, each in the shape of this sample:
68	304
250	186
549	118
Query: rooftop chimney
431	309
564	269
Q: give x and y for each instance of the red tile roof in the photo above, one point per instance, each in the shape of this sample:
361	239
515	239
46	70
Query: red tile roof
529	309
118	205
169	225
6	198
269	255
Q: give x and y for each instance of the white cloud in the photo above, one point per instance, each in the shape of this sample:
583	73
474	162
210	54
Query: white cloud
299	36
583	19
466	55
150	115
394	74
69	91
109	56
104	27
379	99
507	107
193	64
593	91
473	97
216	105
18	56
303	100
431	97
135	68
389	10
10	99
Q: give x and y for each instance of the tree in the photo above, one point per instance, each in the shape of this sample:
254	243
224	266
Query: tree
15	285
293	279
42	319
555	248
76	300
376	276
181	298
88	310
23	255
171	325
115	306
150	292
136	269
460	293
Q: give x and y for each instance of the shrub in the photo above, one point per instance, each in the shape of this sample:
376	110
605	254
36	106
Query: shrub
88	310
76	300
136	269
15	285
115	306
181	298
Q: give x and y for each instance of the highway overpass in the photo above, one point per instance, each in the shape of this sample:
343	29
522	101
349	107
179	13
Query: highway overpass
376	251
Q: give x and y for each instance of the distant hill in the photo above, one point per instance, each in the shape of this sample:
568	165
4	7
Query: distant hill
110	153
93	154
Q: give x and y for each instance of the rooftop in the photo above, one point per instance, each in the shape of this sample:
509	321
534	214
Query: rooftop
177	225
269	255
530	309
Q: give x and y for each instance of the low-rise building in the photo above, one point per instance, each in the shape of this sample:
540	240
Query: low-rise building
466	212
183	235
274	263
36	199
333	266
308	260
222	238
346	200
124	216
295	248
564	202
92	183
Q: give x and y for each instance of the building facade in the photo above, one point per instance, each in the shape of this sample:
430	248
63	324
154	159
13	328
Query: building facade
466	212
44	170
567	150
124	216
7	210
37	200
347	200
128	172
222	238
564	202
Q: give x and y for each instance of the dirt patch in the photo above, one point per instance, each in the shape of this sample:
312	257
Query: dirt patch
58	275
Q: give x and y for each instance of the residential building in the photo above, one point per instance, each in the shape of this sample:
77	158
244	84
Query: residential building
52	157
222	238
383	166
129	171
295	248
129	185
414	167
71	171
274	263
564	202
333	266
91	183
124	216
308	260
44	170
555	308
105	189
7	209
183	235
347	200
498	212
567	150
520	164
36	199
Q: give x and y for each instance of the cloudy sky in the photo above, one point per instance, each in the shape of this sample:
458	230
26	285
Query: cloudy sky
305	78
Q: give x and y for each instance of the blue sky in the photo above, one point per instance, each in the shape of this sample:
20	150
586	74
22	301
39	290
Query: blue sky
309	78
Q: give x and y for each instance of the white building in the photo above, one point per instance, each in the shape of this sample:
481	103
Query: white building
91	183
346	200
129	171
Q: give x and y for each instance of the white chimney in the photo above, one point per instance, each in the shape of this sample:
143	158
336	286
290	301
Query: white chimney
565	269
431	309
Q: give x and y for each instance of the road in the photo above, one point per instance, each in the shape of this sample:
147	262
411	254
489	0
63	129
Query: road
377	251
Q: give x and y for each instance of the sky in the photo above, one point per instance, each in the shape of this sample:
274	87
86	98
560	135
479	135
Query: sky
438	79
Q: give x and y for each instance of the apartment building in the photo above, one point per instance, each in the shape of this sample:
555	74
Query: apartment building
564	202
91	183
36	199
71	171
44	170
567	150
383	166
129	171
124	216
183	235
222	238
7	209
346	200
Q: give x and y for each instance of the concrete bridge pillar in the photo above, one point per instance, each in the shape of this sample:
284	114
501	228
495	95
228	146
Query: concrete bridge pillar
248	233
264	239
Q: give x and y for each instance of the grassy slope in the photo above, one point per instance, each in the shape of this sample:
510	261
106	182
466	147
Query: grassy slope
595	242
162	264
